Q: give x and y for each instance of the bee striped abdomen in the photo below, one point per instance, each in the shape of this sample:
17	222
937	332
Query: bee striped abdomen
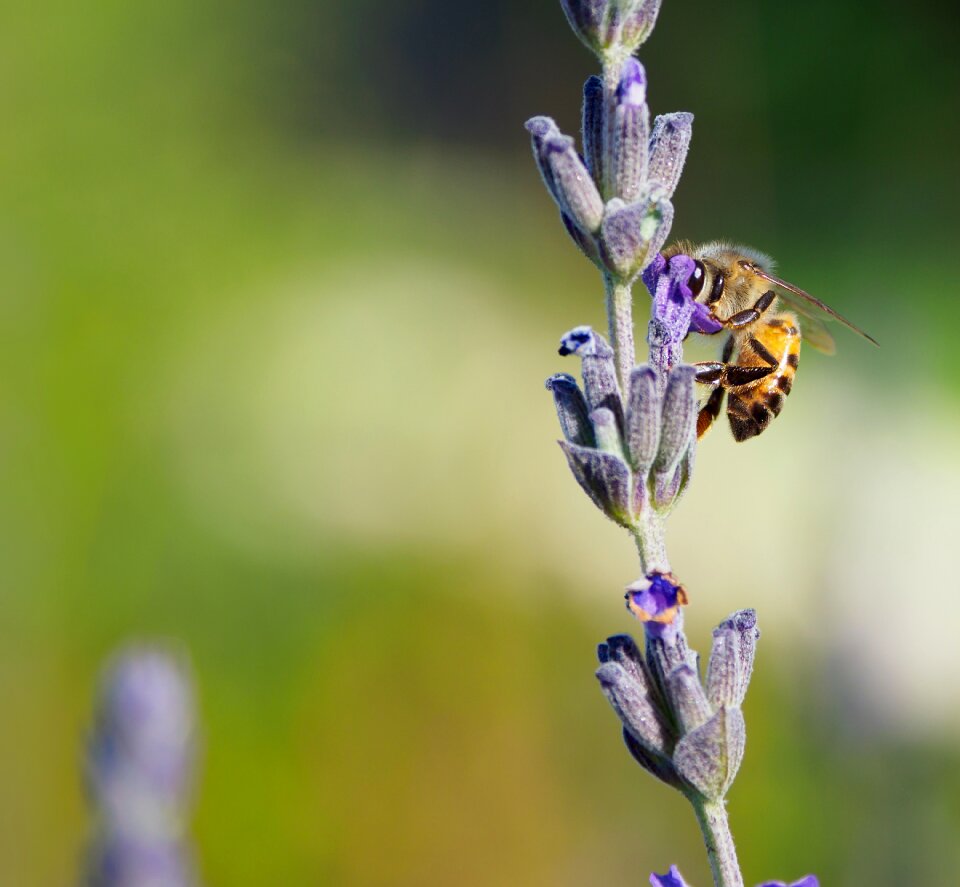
773	342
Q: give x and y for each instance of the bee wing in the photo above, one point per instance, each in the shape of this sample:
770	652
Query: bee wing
815	333
815	313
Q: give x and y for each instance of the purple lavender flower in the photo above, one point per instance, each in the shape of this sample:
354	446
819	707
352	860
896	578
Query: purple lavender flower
673	878
675	311
656	600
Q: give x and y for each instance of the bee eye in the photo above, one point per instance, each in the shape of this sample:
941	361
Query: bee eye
696	279
717	290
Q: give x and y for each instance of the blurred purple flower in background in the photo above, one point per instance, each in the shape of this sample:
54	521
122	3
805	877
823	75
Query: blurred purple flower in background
673	878
140	768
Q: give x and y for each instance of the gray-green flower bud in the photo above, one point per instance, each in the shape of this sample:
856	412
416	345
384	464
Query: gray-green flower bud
669	144
731	659
710	756
600	383
611	25
605	478
594	122
571	409
565	175
643	419
687	698
630	133
633	706
631	235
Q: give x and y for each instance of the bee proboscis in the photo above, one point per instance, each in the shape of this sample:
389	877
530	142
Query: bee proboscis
761	355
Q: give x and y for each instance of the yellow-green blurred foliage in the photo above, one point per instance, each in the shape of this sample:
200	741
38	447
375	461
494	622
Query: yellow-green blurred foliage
278	291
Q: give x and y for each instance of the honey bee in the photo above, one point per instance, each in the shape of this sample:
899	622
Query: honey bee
761	354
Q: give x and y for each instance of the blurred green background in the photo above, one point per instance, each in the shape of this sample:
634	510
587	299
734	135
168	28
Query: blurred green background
279	287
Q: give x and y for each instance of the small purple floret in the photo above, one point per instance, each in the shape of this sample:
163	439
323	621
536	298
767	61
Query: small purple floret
632	88
703	321
675	311
673	878
655	600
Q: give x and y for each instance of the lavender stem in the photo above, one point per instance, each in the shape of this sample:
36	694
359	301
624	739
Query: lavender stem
648	533
721	853
620	320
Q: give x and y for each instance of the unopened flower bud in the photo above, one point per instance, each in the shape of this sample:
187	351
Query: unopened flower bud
731	659
643	419
623	649
679	412
633	706
606	432
666	645
638	23
709	757
656	765
611	24
669	144
630	134
687	698
565	175
631	235
594	122
605	478
588	19
586	243
597	367
571	409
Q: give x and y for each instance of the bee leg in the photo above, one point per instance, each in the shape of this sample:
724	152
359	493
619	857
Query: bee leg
751	315
709	412
735	375
709	372
729	375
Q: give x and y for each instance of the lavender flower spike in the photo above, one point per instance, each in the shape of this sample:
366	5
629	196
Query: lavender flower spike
629	432
140	765
808	881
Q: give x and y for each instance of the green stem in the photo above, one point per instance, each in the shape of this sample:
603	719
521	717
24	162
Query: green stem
722	855
620	322
648	533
